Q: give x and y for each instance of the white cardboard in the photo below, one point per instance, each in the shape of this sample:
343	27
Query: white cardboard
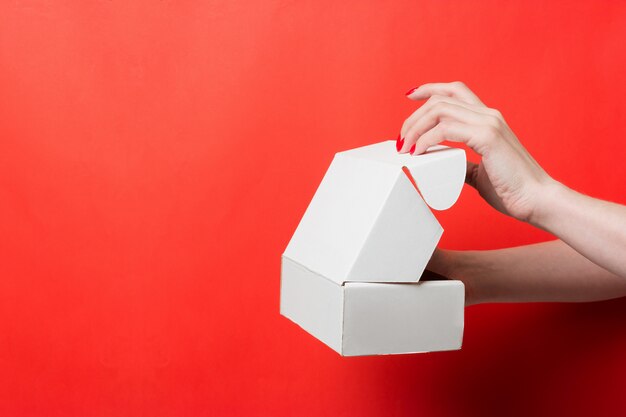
350	272
367	222
358	319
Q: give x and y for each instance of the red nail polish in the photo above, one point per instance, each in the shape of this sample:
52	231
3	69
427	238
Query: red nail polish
399	143
408	93
412	149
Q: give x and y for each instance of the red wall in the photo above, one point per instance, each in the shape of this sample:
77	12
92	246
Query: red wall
155	157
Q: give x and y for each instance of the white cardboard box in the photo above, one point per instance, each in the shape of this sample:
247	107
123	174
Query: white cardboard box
350	272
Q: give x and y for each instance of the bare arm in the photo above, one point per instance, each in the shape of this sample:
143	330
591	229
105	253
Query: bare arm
592	267
550	271
595	228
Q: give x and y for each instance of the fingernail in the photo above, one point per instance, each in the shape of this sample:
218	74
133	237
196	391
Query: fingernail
412	149
399	143
408	93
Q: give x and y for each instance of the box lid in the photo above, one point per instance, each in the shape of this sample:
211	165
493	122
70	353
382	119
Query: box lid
439	173
369	219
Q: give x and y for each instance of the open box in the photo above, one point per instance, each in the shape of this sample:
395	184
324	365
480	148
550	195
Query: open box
350	273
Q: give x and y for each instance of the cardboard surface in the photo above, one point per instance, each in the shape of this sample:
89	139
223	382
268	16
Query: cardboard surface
358	319
439	173
383	318
368	226
312	302
367	223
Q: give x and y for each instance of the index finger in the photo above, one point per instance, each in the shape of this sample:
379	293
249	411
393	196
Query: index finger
455	89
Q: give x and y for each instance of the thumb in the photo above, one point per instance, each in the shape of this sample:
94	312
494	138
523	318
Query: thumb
471	174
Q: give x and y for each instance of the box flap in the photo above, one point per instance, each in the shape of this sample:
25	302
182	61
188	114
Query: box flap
438	174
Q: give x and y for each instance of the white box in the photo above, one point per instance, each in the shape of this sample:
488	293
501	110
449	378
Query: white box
367	318
367	227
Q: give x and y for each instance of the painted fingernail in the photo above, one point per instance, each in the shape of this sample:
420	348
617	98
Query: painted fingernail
412	149
408	93
399	143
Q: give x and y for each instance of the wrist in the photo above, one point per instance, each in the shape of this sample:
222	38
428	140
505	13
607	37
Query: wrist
441	263
458	265
463	267
547	202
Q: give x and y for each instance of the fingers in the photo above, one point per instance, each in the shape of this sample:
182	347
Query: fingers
477	136
435	113
452	130
434	99
455	89
471	173
452	112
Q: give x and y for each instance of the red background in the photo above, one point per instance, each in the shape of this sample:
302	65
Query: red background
155	157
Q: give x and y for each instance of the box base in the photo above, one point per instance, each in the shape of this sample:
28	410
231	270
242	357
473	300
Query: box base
357	319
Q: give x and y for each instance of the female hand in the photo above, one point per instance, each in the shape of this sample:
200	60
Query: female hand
586	264
507	177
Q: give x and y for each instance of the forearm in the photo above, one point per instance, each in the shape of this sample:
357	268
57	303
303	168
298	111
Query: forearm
550	271
594	228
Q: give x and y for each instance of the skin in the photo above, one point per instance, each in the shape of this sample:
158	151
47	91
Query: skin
586	263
